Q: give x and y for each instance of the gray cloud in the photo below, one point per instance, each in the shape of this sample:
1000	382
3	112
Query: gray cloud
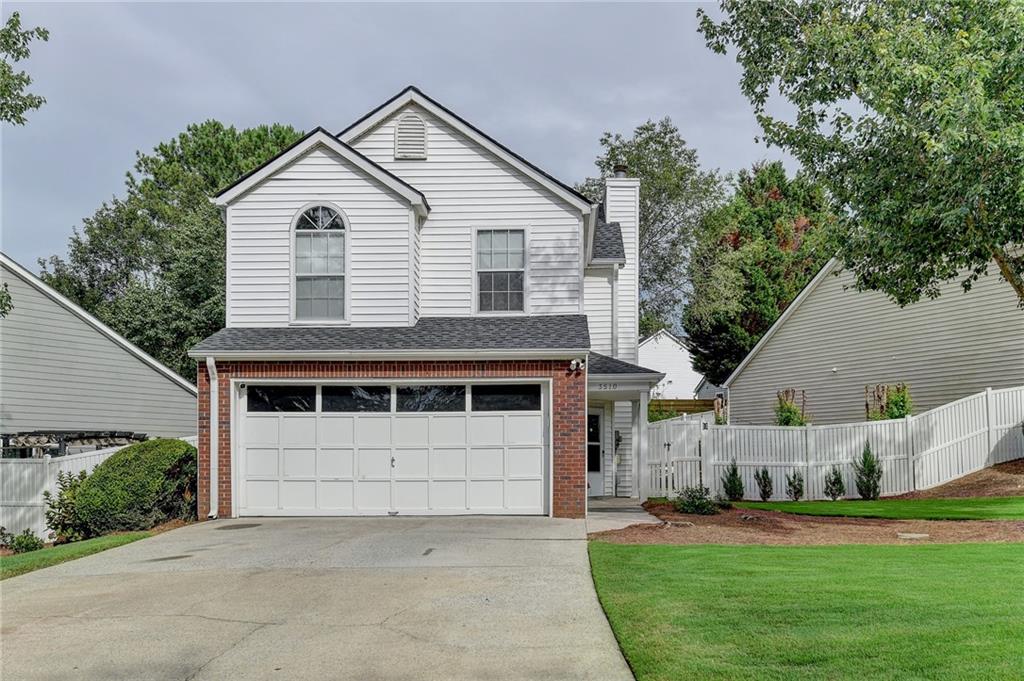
546	80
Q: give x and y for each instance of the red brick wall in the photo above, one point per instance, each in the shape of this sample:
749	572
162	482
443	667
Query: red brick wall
569	417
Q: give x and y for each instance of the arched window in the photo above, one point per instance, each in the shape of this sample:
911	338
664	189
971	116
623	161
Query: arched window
320	265
411	137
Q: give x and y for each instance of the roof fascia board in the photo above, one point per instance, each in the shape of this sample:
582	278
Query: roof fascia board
320	137
412	95
786	314
267	355
74	309
649	379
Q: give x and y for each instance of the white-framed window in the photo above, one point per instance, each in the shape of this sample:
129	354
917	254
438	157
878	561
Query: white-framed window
320	265
500	270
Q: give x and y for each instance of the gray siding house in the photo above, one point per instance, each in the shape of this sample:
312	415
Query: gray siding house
833	341
62	369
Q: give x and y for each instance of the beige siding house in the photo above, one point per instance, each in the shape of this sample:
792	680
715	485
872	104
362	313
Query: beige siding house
833	341
62	369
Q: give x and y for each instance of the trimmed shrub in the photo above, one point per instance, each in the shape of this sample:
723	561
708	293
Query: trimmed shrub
25	542
795	486
764	484
834	485
138	487
695	500
787	411
732	483
868	471
61	514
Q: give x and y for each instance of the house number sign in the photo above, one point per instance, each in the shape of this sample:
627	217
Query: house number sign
606	386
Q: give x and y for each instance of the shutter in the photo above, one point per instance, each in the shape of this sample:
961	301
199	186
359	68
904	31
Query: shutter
411	137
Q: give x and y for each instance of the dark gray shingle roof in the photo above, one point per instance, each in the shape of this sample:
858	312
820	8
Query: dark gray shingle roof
603	364
608	241
554	332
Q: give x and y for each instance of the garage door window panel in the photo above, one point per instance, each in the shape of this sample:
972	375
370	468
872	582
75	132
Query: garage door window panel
513	397
356	398
431	398
281	398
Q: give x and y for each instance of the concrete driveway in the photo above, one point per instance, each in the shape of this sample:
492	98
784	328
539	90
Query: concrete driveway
319	598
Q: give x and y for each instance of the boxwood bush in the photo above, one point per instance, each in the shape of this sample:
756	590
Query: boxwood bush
139	487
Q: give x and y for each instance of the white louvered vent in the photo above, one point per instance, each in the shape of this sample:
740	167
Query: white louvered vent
411	137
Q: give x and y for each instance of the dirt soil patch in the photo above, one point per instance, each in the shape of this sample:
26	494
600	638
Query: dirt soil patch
1001	480
747	526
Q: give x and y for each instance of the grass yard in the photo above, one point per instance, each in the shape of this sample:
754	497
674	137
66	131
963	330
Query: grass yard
976	508
942	611
18	564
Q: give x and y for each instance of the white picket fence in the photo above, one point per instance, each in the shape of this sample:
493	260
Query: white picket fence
917	452
23	481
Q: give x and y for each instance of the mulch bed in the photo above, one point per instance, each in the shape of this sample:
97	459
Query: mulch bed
1001	480
748	526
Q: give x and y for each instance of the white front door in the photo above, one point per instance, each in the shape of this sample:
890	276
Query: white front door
595	453
368	449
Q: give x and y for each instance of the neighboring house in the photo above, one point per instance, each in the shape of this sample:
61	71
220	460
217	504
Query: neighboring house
832	341
666	353
61	369
421	321
706	390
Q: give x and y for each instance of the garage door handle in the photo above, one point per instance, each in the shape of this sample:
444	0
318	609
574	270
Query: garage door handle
392	462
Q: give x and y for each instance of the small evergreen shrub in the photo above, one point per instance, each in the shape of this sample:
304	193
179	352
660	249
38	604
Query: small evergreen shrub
732	483
764	484
795	486
61	514
696	500
5	538
139	487
25	542
834	485
868	472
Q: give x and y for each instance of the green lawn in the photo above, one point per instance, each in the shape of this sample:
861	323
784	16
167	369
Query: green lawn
21	563
977	508
943	611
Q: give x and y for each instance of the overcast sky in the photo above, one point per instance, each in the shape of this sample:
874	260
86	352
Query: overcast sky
546	80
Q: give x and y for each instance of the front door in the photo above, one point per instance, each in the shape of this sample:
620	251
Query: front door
595	454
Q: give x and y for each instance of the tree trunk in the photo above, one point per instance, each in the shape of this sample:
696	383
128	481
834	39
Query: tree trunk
1014	278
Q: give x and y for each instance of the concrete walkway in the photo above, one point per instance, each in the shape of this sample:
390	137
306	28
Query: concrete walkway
324	598
615	513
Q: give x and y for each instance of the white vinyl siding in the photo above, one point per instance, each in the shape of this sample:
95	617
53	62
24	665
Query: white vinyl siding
622	205
947	348
469	188
597	305
59	373
662	353
260	242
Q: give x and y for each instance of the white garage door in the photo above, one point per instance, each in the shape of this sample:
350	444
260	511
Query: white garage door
377	449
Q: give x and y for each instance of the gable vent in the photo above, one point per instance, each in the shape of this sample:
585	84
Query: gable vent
411	137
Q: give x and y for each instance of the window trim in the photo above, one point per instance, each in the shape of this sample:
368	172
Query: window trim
346	283
510	226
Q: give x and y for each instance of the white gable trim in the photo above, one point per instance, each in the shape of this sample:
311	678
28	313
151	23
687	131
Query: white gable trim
74	309
829	267
413	96
660	332
321	137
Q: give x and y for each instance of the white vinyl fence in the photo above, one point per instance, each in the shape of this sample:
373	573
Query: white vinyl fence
23	481
917	452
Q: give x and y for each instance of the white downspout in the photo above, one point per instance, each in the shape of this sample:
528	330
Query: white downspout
211	369
615	311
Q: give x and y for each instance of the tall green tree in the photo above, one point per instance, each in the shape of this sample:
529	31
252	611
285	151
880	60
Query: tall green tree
752	256
150	264
14	47
674	194
911	114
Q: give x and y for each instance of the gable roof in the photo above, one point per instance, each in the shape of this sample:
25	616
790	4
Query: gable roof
38	284
829	267
607	246
413	95
603	365
320	137
431	336
665	332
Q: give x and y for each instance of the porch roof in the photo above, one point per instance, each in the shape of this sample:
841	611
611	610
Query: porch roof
603	365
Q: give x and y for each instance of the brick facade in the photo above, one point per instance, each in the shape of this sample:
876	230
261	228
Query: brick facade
569	418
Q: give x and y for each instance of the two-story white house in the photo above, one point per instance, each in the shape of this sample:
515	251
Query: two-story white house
421	321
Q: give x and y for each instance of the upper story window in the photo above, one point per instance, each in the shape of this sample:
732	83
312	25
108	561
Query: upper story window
411	137
500	270
320	265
